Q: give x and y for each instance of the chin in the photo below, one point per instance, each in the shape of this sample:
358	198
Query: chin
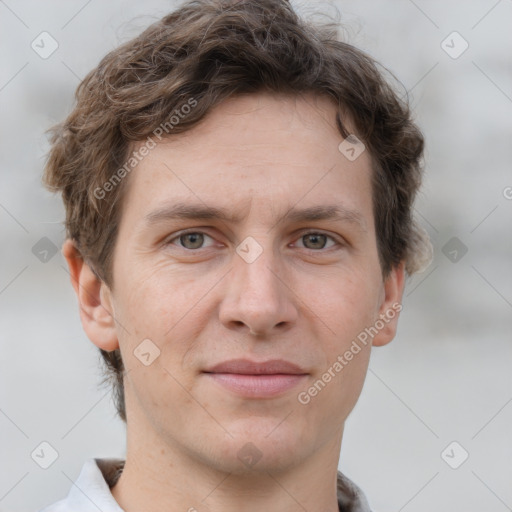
261	445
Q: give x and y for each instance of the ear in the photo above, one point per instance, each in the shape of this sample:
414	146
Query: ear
390	307
94	300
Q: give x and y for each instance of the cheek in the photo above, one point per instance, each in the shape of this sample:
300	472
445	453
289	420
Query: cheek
167	310
153	300
333	392
350	306
157	392
348	384
346	306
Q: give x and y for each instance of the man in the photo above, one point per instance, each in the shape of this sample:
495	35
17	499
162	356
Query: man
238	188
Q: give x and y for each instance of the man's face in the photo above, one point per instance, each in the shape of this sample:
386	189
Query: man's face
255	286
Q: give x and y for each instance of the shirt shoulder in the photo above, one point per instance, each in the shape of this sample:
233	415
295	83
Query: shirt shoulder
350	497
91	490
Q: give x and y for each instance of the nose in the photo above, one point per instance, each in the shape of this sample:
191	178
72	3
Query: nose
258	299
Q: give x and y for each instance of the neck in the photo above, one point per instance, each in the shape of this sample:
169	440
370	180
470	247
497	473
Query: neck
162	476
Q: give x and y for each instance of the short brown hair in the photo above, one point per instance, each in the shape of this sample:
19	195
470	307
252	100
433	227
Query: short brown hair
209	50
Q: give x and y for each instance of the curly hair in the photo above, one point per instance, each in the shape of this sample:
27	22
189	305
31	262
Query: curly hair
210	50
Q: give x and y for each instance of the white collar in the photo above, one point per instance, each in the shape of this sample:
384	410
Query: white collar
91	490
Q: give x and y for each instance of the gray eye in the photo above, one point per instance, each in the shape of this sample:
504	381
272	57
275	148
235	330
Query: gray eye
192	240
317	240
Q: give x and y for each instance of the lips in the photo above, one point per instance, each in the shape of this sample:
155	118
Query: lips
251	379
247	367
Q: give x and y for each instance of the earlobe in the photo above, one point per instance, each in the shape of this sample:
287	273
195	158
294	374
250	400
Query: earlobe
390	307
96	312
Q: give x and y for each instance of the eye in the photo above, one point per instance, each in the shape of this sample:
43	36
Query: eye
315	240
190	240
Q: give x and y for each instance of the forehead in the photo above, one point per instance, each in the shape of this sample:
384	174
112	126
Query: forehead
261	150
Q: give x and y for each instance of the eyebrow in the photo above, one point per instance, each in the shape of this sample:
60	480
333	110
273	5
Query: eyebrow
191	211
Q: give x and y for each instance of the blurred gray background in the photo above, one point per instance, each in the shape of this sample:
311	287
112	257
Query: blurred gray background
445	378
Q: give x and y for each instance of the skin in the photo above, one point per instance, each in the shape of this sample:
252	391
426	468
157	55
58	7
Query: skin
303	300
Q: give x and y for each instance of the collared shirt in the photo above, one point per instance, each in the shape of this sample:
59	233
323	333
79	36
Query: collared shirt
91	490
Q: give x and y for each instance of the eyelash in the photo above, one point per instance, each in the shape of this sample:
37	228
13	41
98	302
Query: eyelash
312	232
